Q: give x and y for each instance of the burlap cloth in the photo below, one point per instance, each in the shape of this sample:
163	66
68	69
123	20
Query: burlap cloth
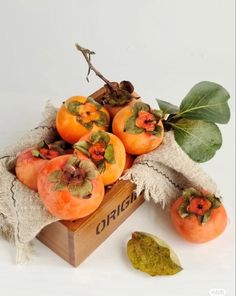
22	214
161	175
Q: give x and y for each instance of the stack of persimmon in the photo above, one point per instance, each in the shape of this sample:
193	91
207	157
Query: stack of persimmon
98	142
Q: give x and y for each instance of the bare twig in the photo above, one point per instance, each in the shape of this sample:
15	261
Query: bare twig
113	87
87	55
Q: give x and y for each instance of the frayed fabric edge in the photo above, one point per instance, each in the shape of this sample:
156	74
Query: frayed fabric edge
24	252
148	193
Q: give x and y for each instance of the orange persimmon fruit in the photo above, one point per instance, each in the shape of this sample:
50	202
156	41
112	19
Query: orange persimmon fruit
106	151
31	160
128	162
139	127
78	116
198	216
70	187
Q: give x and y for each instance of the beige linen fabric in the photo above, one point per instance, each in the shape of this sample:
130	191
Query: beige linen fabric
22	214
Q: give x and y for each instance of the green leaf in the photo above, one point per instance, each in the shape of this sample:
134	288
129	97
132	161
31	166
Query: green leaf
157	131
42	144
150	254
73	160
117	100
205	218
130	126
101	167
99	136
62	144
59	186
35	153
182	210
157	113
206	101
92	174
167	107
83	147
90	169
109	154
215	201
59	146
91	100
55	176
72	107
199	139
87	125
139	106
190	192
103	121
111	100
81	190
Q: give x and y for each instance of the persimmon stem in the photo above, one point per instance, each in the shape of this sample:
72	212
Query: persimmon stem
87	55
113	87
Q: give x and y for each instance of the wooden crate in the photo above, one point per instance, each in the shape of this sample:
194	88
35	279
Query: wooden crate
75	240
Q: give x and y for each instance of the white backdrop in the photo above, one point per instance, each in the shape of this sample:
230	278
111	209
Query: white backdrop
164	47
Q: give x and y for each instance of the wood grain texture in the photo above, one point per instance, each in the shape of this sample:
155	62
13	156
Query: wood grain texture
118	205
76	240
55	237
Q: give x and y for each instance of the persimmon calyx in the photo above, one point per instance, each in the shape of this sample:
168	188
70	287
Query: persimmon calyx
87	113
48	151
76	176
60	146
199	204
120	95
98	148
143	119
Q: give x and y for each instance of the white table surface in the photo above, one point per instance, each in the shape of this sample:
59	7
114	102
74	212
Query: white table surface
164	47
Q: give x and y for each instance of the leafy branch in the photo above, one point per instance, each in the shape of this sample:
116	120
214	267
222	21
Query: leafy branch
194	121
